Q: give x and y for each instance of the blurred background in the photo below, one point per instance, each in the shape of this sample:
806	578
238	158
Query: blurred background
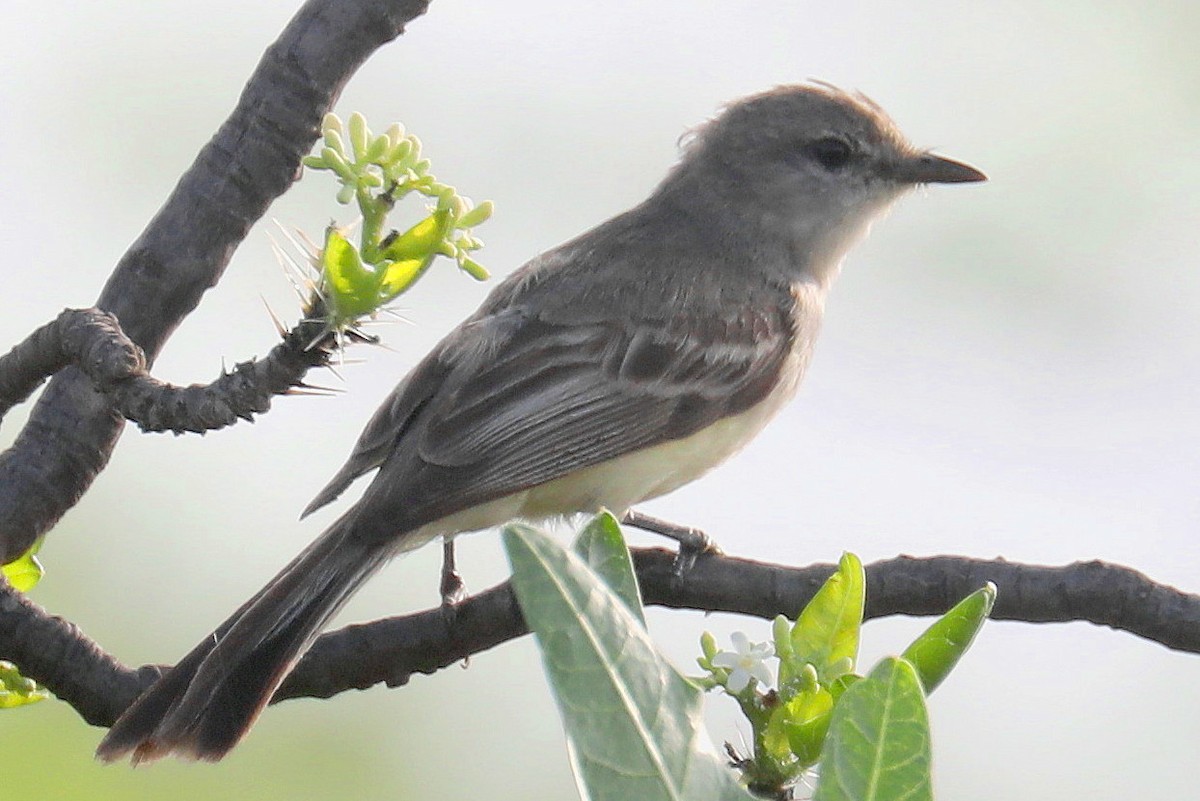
1006	369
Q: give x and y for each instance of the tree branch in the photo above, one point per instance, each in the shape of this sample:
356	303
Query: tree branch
389	651
253	158
92	341
94	683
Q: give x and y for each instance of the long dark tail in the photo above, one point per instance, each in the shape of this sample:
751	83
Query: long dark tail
207	702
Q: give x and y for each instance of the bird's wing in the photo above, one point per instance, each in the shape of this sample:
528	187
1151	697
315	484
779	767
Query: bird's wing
389	423
544	399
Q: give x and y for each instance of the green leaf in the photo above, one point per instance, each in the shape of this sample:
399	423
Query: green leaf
351	288
805	722
826	633
413	251
398	276
25	571
843	683
16	690
602	546
422	240
633	722
878	747
935	653
775	738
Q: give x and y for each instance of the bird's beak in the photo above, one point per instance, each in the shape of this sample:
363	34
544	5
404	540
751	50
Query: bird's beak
926	168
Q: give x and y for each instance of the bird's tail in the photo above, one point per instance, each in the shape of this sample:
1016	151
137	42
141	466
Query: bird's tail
204	705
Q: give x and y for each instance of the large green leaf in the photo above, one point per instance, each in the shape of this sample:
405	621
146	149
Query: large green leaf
633	722
602	545
878	748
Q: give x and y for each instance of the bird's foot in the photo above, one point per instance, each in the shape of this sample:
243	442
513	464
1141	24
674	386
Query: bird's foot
692	541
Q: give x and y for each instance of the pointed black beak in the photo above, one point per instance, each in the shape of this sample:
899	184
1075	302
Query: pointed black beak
926	168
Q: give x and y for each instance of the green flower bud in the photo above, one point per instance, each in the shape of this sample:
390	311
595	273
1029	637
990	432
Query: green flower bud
708	645
476	216
474	269
360	135
400	153
377	149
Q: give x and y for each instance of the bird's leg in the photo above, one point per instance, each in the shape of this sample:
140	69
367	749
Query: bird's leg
452	587
692	541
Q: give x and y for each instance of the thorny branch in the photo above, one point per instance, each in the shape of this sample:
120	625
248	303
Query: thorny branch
56	654
252	159
92	341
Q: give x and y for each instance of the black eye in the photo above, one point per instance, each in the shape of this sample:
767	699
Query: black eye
830	152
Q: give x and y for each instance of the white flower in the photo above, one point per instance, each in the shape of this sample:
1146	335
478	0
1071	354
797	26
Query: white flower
744	662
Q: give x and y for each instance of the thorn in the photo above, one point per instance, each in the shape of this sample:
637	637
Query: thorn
317	339
299	392
301	241
355	335
280	328
318	388
383	345
292	271
397	316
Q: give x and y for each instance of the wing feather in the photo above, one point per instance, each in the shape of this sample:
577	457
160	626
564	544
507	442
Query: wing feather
551	398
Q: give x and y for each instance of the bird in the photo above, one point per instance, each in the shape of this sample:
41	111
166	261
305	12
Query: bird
605	372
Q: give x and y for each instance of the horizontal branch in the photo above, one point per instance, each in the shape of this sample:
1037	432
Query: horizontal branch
390	651
56	654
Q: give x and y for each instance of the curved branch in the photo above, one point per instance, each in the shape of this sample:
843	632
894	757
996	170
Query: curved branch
71	664
253	158
56	654
92	340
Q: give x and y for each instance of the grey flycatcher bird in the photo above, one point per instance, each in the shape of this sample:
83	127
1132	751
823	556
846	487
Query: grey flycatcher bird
610	370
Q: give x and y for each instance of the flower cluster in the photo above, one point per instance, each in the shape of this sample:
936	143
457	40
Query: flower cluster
376	171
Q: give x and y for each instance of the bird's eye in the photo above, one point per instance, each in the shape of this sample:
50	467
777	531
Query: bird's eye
830	152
